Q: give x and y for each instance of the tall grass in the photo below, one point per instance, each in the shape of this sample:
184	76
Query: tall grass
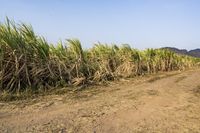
27	61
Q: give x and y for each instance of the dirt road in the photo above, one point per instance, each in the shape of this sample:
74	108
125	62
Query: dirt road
165	103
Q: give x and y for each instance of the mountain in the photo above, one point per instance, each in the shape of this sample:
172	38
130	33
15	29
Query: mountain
194	53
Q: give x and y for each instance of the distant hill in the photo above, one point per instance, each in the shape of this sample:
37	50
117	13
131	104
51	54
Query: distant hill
194	53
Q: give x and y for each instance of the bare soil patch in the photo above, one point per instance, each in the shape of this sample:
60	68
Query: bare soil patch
166	102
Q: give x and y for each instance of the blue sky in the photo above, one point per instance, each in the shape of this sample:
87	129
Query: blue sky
140	23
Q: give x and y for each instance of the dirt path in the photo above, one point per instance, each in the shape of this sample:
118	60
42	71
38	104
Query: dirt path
165	103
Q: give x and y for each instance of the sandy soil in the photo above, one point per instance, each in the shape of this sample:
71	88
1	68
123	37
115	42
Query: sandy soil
165	103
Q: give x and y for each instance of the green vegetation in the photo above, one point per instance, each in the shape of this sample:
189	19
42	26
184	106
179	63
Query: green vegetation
28	62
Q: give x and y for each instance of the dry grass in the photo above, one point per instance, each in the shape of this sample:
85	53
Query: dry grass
29	65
